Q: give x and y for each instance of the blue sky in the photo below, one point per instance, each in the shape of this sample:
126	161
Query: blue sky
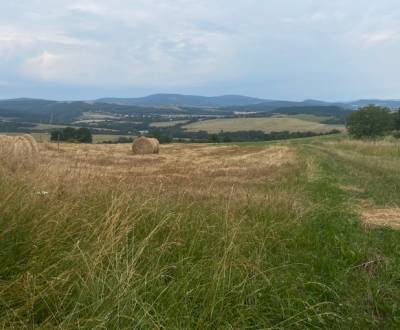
286	49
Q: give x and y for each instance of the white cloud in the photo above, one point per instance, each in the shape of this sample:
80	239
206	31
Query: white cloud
14	35
378	38
254	46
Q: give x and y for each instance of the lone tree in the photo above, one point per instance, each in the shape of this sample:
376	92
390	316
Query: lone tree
369	122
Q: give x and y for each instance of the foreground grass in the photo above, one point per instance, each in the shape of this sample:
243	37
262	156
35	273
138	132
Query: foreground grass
113	257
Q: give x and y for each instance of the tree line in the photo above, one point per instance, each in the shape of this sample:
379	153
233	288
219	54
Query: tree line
70	134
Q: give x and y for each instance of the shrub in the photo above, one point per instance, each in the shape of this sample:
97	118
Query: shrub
371	121
396	134
70	134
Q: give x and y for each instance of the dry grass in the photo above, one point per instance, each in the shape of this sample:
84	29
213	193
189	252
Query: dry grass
387	217
197	169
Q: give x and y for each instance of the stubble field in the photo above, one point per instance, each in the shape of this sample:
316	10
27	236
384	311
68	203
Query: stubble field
267	125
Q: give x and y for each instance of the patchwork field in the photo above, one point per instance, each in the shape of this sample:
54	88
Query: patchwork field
289	235
267	125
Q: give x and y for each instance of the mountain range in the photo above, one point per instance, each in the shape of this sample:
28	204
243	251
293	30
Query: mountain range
185	100
157	100
180	100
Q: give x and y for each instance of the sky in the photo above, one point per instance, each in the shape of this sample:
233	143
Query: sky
276	49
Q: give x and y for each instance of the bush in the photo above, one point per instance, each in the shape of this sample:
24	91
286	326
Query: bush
396	134
371	121
396	120
70	134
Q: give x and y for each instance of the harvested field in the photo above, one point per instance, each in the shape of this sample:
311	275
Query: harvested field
267	125
196	168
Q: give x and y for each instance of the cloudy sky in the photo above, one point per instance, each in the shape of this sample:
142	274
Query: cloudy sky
281	49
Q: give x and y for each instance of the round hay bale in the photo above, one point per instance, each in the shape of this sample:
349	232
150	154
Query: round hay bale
22	148
6	146
18	149
145	146
32	142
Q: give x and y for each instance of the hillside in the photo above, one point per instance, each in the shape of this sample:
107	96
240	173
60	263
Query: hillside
184	100
27	115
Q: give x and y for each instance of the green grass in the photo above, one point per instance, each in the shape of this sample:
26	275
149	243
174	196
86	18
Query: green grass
49	127
114	258
267	125
313	118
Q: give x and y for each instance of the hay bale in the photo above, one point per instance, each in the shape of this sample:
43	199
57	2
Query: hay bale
18	149
32	142
145	146
6	146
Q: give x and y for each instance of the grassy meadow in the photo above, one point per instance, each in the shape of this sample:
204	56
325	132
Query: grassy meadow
299	123
287	235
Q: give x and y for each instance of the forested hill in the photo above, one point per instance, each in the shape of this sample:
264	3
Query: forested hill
184	100
33	110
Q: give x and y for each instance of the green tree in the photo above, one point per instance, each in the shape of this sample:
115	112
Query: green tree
70	134
213	138
370	121
84	135
56	135
162	137
396	120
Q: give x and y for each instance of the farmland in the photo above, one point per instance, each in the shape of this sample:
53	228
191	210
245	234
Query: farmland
286	235
267	125
252	122
167	123
97	138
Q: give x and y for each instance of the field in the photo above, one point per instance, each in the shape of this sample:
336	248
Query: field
170	123
47	127
97	138
289	235
267	125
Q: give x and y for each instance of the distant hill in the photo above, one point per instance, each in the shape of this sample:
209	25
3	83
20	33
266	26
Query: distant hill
35	110
271	106
184	100
393	104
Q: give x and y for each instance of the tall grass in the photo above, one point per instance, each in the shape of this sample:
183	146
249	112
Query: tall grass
102	254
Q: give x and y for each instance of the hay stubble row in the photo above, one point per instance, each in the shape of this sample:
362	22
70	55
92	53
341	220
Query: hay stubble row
191	167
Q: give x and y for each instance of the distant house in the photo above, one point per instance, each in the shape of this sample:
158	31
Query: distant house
144	132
